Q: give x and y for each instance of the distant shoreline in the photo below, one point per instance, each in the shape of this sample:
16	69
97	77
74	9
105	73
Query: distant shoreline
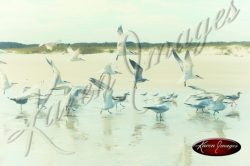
226	48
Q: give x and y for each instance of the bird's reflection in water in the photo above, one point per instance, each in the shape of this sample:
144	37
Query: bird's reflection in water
185	156
233	114
72	123
137	134
107	133
219	127
209	122
162	127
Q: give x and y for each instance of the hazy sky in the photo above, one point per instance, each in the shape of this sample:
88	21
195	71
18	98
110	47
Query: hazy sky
37	21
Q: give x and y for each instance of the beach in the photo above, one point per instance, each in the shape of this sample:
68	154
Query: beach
126	137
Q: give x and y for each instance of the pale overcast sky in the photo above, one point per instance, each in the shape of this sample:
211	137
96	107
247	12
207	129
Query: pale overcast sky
38	21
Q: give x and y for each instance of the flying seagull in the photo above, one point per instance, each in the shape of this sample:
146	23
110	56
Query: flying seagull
6	83
57	76
74	54
186	67
138	72
51	45
109	70
121	45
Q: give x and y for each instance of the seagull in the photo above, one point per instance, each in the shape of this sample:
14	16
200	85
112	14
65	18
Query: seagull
120	99
6	83
201	105
109	70
57	76
138	72
186	67
109	102
75	98
50	46
161	108
121	45
233	98
218	105
74	54
23	98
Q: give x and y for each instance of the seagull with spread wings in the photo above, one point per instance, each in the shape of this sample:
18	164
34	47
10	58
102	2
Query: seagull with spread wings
121	45
186	67
74	54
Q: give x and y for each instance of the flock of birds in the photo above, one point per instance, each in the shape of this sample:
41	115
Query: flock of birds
75	96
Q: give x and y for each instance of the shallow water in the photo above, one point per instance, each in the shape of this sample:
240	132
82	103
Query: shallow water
125	137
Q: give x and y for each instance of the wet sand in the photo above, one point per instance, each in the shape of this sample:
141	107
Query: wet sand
126	137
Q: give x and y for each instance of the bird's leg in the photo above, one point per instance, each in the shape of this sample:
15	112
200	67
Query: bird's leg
135	86
109	112
101	75
122	105
185	84
116	106
161	119
21	106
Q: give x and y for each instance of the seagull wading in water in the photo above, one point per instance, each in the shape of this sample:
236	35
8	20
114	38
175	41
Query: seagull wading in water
161	108
186	67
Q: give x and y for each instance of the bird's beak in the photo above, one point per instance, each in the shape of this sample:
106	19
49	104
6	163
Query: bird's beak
200	77
14	83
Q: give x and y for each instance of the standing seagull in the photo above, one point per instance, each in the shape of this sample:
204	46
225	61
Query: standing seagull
74	54
6	83
109	103
120	99
218	105
233	98
186	67
121	45
138	73
161	108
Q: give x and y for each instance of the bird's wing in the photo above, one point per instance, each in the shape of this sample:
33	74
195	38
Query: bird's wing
49	62
196	88
70	50
178	59
2	62
5	79
120	30
137	68
98	83
135	65
188	61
